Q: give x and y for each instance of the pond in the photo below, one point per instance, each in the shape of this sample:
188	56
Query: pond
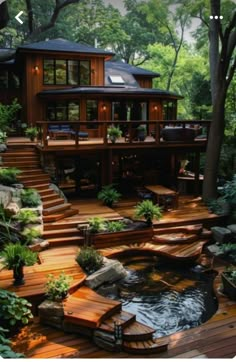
167	297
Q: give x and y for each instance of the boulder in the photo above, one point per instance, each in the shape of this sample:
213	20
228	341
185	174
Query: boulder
232	228
221	234
12	209
39	246
3	147
5	198
49	308
112	270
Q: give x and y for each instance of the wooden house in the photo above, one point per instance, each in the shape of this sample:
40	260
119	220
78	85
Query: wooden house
74	92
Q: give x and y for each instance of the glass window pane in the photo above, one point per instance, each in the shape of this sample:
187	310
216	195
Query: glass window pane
60	71
92	113
48	71
61	112
73	111
73	72
3	79
85	72
51	114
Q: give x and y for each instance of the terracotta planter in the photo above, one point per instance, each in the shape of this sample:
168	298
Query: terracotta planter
229	288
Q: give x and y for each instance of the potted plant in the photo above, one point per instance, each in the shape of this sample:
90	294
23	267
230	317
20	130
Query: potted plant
142	132
57	287
113	133
15	257
228	278
109	195
31	132
149	211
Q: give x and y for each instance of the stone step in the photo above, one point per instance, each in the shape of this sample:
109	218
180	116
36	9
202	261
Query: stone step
56	209
66	240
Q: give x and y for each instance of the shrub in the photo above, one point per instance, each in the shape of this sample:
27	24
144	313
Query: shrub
8	176
13	309
96	224
31	132
113	133
5	349
109	195
89	259
113	226
8	114
27	217
3	137
30	234
148	210
30	198
57	288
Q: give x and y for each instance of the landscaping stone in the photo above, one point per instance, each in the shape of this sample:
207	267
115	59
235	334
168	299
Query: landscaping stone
12	209
105	336
221	234
112	270
215	249
108	346
5	197
49	308
3	147
39	246
52	321
232	228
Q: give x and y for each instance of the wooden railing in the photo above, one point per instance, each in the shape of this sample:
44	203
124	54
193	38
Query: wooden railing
98	130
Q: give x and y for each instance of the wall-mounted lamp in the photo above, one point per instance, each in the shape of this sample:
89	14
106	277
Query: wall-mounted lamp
155	108
104	107
36	69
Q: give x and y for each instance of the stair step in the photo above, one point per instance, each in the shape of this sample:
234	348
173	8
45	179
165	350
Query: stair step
19	154
137	332
38	177
22	164
56	209
47	191
145	347
19	158
50	203
188	229
60	233
33	172
39	186
37	182
66	240
59	216
49	197
62	225
123	318
175	238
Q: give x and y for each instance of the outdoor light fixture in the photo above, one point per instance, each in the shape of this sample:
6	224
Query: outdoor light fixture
155	108
104	107
36	69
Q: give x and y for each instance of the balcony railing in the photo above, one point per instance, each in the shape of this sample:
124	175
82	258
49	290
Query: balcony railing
95	132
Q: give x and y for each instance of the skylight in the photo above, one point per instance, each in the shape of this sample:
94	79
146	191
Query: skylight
116	79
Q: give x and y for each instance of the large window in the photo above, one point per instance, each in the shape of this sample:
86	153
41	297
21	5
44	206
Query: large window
63	111
8	80
63	72
169	110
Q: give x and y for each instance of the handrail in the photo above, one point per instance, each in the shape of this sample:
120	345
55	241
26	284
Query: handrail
128	127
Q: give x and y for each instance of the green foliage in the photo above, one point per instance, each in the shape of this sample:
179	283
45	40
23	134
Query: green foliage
17	254
14	310
229	191
30	234
89	259
5	349
57	287
231	274
96	224
148	210
113	133
26	217
8	176
3	137
109	195
31	132
215	206
114	226
30	198
229	250
8	114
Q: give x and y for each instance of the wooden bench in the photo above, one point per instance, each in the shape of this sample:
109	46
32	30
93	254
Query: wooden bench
164	196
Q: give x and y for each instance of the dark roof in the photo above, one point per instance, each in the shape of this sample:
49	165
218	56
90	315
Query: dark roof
112	70
110	91
62	45
125	67
7	55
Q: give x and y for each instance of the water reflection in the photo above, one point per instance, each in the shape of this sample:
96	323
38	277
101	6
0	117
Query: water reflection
167	298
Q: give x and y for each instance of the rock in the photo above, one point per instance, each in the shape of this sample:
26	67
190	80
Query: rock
221	234
112	270
3	147
110	290
105	336
215	249
108	346
18	186
5	198
49	308
12	209
17	201
39	246
52	321
232	228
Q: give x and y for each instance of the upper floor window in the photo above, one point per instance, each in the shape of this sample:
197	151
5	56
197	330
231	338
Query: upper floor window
66	72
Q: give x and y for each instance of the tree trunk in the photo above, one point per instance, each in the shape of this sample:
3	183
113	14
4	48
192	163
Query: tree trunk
215	141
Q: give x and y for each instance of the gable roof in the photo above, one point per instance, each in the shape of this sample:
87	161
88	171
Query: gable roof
63	45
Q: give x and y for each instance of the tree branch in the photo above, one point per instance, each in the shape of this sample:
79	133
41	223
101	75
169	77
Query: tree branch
30	15
231	73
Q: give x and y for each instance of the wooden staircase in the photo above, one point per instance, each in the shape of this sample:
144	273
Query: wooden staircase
55	208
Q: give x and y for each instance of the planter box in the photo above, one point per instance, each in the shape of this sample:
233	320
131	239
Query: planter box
106	240
228	287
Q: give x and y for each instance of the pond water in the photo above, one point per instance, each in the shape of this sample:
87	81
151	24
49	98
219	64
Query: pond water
167	297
